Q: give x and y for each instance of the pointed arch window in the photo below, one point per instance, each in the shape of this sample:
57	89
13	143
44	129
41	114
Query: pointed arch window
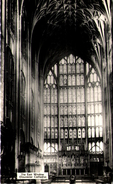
73	103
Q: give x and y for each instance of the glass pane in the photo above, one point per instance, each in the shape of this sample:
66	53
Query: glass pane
100	120
92	108
69	95
93	147
100	108
62	133
89	132
56	124
82	67
70	133
52	95
65	122
73	95
45	133
78	95
82	108
101	132
101	145
83	133
96	120
74	133
66	133
52	133
89	121
77	68
61	80
91	94
89	146
48	95
52	110
52	121
61	122
65	80
65	95
97	132
74	109
82	94
78	79
73	80
48	110
56	133
52	80
48	133
61	68
82	121
96	108
91	77
55	95
92	120
69	68
56	110
82	79
88	108
70	121
48	121
61	96
97	146
65	68
74	122
56	146
79	133
99	94
69	80
79	121
61	110
73	68
93	132
95	93
78	109
69	110
65	110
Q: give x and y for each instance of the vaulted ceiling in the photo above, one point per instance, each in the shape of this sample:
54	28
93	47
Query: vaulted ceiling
61	27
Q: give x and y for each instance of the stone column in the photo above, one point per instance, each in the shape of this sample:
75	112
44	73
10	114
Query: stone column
41	117
3	39
17	84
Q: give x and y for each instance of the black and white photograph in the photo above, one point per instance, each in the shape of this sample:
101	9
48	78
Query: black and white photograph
56	91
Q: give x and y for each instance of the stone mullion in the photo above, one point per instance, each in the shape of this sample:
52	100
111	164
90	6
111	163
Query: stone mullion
58	97
86	109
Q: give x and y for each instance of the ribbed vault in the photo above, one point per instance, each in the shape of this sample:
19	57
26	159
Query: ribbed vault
61	27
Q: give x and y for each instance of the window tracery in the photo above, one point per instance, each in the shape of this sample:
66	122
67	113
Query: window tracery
80	102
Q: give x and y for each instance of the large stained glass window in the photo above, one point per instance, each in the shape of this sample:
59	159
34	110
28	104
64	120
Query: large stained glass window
72	106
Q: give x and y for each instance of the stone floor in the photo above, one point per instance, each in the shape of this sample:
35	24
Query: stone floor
76	182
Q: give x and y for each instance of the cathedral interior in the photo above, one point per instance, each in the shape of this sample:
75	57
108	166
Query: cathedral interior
56	89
